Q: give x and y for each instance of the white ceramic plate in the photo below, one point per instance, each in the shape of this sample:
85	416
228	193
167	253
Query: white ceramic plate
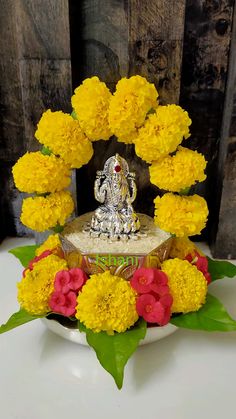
153	333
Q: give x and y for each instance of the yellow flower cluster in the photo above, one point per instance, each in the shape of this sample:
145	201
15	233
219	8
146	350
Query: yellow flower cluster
181	215
107	303
132	100
51	243
162	132
178	172
35	172
187	284
36	287
64	137
42	213
181	247
91	102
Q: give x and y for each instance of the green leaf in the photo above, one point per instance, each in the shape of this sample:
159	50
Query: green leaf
24	253
114	351
57	229
81	327
184	191
151	111
17	319
73	114
211	317
46	151
220	269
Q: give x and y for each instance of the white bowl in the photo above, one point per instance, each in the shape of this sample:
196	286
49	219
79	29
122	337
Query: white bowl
74	335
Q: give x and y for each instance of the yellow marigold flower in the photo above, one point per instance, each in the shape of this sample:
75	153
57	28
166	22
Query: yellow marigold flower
187	284
35	172
51	243
91	102
178	172
36	287
181	215
107	303
63	135
132	100
163	131
42	213
181	247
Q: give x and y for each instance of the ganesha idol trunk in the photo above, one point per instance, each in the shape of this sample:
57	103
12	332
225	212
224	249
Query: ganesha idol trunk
114	237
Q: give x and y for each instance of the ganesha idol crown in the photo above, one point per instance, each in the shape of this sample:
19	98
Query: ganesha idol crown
114	237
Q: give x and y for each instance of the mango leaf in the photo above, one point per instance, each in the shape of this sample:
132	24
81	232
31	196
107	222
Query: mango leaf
114	351
220	269
211	317
24	253
17	319
81	327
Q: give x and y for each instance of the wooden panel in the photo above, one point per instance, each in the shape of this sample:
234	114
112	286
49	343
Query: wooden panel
121	38
156	41
99	36
10	208
225	245
224	227
36	75
44	59
43	29
45	84
11	120
204	72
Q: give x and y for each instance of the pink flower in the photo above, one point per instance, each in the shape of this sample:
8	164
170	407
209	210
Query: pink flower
142	280
64	304
150	309
62	282
208	277
166	300
154	303
77	279
201	263
146	280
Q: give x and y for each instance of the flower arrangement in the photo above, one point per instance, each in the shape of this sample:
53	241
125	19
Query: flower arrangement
112	312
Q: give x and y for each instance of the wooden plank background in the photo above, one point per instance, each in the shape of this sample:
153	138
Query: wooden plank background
49	46
35	74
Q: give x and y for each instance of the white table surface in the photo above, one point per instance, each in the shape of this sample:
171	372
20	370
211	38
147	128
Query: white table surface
188	375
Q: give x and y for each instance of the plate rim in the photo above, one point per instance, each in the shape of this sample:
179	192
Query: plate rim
153	334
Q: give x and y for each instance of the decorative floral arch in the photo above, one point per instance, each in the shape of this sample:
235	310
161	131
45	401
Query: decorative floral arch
133	115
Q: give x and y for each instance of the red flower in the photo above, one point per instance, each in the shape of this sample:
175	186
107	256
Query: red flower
62	282
166	300
67	284
142	280
154	303
159	284
77	279
64	304
201	263
208	277
146	280
150	309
